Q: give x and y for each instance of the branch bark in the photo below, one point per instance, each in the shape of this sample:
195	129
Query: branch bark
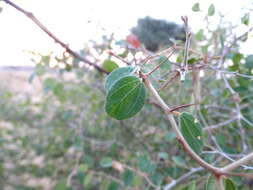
217	172
182	178
238	163
180	137
213	127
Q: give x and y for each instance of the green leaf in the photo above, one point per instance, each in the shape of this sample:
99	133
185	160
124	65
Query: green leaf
199	35
116	75
145	164
61	185
128	177
157	178
109	65
113	186
245	19
170	136
166	64
210	184
58	89
204	48
45	59
193	60
211	10
191	131
179	58
87	179
229	184
249	61
163	155
195	7
40	69
88	160
236	60
179	161
83	167
124	54
192	186
106	162
125	98
68	67
49	84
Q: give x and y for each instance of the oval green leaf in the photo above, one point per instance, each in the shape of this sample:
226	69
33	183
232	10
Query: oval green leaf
229	184
191	131
249	61
116	75
106	162
178	160
128	177
199	35
125	98
245	19
109	65
163	155
195	7
165	63
211	10
113	186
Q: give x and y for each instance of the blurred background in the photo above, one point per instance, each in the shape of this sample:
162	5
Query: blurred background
78	22
54	132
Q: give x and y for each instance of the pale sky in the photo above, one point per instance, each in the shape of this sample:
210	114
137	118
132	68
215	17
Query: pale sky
69	20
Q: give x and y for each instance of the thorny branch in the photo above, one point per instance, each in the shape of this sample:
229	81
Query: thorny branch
214	170
162	62
57	40
217	172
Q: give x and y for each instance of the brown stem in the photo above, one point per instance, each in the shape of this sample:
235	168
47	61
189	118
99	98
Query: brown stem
238	163
159	65
118	57
168	81
57	40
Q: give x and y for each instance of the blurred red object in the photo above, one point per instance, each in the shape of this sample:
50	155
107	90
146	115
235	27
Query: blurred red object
133	40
